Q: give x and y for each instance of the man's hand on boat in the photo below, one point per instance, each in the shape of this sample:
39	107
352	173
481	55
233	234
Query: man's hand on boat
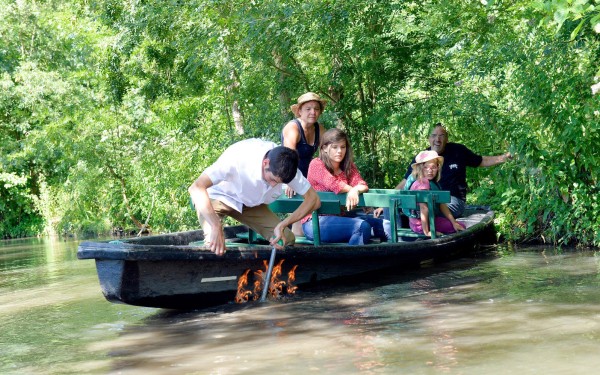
216	242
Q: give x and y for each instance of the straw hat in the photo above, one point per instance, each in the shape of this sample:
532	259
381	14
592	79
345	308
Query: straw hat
427	155
308	97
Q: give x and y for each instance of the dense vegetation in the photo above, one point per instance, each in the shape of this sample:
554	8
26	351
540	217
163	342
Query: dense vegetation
110	109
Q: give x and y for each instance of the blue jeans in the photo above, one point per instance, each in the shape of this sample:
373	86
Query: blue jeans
354	230
456	206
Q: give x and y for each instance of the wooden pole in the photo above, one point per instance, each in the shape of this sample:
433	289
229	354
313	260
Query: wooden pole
268	276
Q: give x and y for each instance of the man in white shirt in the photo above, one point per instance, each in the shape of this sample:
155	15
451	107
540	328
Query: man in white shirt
241	184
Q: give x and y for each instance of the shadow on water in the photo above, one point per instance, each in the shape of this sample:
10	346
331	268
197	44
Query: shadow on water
318	323
502	311
522	311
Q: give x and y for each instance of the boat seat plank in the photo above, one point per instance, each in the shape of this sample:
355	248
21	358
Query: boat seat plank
329	206
332	204
429	197
406	234
288	205
259	238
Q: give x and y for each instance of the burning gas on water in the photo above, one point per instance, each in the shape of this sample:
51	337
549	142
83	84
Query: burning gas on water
277	286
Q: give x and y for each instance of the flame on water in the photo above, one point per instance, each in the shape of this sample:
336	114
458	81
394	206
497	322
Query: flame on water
259	279
276	285
291	288
242	294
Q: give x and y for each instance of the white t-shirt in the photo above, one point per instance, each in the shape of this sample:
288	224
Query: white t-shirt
237	176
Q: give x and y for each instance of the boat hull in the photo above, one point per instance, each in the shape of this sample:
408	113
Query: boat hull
165	271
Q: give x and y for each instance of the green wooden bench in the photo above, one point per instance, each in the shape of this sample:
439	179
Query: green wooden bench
389	198
329	206
430	197
283	204
393	200
332	204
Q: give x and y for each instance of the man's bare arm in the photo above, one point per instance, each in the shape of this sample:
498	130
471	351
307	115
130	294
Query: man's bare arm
489	161
400	186
204	209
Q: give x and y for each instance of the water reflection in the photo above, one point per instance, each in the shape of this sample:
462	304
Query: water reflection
478	316
527	311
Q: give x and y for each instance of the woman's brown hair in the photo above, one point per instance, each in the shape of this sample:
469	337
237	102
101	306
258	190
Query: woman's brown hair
336	135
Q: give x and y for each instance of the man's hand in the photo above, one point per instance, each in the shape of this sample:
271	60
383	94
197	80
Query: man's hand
278	234
211	223
216	240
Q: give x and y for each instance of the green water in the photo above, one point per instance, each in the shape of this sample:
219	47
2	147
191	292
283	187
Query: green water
512	311
52	312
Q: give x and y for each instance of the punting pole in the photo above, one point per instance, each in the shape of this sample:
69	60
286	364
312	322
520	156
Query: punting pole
268	276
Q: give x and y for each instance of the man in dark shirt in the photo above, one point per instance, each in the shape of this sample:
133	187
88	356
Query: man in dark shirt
457	158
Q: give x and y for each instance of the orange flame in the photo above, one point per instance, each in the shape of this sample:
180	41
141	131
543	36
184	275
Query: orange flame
242	294
259	280
291	288
275	285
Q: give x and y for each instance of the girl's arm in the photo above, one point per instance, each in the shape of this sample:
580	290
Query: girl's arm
446	212
356	186
352	195
425	218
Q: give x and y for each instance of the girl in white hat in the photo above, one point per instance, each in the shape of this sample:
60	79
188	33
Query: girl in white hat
426	173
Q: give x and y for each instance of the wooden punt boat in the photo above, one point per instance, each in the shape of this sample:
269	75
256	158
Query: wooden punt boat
174	271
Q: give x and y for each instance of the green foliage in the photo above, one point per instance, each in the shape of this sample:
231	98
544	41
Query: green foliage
17	216
111	109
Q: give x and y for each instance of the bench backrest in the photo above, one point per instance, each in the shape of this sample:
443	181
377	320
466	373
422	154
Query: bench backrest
432	198
283	204
438	196
331	204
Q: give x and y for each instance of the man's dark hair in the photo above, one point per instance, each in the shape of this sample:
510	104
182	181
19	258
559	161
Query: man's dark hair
283	163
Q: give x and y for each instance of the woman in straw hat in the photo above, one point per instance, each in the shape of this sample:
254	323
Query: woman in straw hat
303	135
426	174
334	170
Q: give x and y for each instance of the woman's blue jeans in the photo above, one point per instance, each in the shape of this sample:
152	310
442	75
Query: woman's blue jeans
354	230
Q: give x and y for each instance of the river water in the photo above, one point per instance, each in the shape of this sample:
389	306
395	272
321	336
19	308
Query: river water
508	311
